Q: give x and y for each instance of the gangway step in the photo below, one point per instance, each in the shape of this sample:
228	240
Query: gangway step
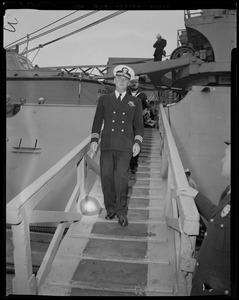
148	168
105	262
149	175
144	192
147	239
139	216
152	160
82	288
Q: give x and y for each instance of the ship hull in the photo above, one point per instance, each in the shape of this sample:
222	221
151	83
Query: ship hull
200	123
55	130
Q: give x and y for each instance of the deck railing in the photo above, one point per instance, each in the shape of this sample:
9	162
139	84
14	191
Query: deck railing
188	14
192	13
181	212
21	212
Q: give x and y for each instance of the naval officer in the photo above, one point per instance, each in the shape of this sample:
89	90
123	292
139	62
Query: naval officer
121	116
212	273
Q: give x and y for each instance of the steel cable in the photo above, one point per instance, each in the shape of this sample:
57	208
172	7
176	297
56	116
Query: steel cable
76	31
49	31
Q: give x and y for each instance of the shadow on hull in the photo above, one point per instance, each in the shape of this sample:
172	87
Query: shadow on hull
200	122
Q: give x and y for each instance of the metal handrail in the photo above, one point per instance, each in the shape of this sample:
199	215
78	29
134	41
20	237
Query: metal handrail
181	212
20	214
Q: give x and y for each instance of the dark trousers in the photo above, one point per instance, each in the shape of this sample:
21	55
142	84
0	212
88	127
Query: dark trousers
115	174
159	57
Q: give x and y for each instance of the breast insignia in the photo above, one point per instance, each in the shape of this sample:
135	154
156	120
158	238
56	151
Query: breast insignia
131	103
225	210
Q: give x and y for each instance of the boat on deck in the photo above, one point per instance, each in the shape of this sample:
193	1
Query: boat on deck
55	85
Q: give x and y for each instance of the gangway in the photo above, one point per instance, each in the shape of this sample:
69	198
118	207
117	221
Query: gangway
153	256
99	257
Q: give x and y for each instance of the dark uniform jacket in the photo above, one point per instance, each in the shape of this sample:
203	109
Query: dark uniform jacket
159	46
142	96
212	274
123	123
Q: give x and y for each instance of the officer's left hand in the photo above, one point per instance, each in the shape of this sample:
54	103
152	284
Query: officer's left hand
136	149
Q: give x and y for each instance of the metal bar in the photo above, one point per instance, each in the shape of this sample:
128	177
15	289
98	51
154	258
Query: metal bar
81	177
35	144
93	165
52	249
50	255
20	143
24	281
41	216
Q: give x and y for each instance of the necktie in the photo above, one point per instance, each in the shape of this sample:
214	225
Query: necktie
119	98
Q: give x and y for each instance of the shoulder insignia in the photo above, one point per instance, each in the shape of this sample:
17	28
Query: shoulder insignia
225	210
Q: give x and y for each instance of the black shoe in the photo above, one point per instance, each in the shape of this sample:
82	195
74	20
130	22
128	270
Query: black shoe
110	216
123	221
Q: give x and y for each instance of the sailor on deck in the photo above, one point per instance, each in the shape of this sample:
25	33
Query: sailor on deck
121	137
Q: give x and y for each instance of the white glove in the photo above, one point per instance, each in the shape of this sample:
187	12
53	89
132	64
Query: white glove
136	149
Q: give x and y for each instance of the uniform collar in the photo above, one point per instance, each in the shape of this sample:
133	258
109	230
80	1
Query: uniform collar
133	93
122	95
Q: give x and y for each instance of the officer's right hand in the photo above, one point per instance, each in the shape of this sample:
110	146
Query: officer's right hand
93	147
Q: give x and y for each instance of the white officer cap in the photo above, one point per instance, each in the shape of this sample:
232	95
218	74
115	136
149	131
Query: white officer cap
123	70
